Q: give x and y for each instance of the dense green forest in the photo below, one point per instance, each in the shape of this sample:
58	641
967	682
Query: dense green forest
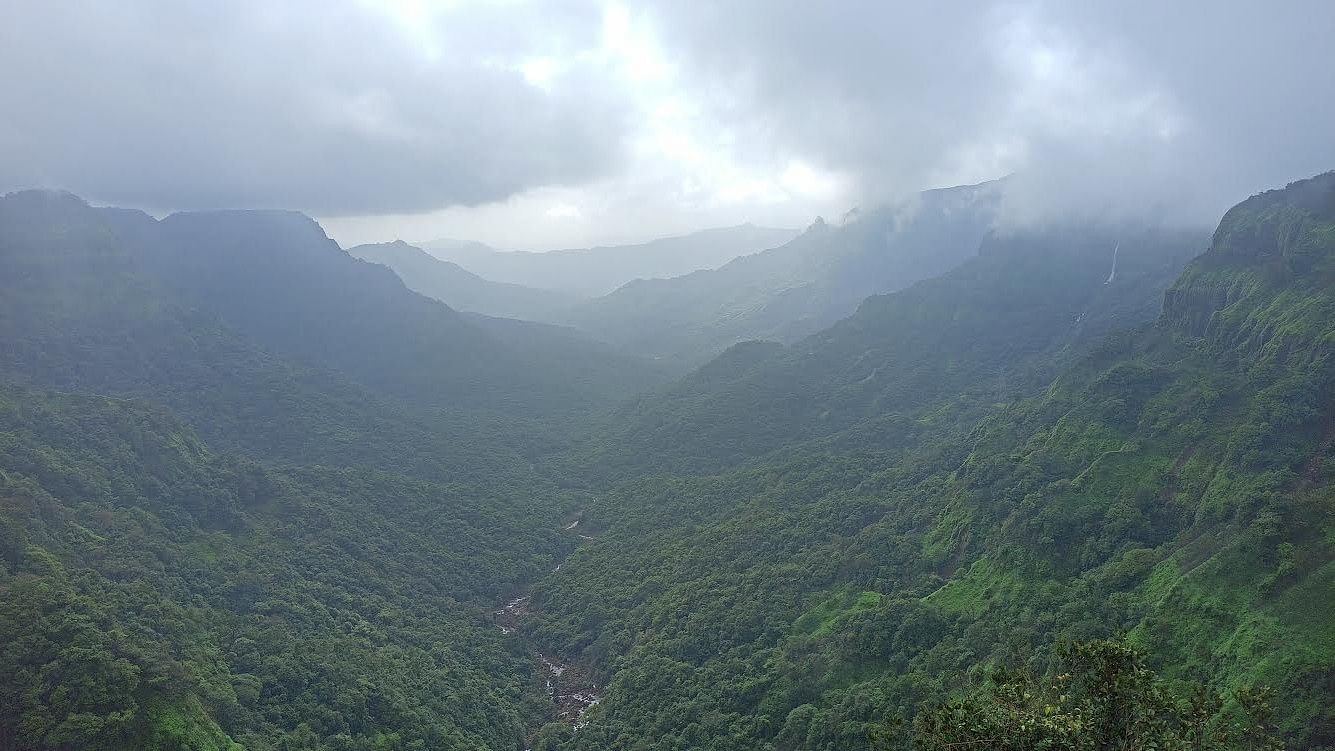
1172	485
1000	325
1071	490
158	595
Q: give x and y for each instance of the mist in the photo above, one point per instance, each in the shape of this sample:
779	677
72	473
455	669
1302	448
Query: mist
530	127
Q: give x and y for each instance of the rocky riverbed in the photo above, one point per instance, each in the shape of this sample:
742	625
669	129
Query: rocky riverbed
569	685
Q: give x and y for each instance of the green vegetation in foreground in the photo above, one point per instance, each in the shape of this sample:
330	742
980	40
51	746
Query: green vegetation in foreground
1100	696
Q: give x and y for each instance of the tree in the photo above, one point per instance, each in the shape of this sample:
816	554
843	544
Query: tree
1101	697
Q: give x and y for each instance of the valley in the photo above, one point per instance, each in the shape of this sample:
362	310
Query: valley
569	686
478	375
327	511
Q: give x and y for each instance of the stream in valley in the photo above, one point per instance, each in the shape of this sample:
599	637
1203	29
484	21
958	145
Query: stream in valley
569	685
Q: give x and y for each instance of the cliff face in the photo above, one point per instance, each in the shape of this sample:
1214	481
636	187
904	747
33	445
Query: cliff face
1281	241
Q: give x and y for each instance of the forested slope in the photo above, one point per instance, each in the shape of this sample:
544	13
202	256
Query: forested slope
997	327
158	595
1175	485
255	491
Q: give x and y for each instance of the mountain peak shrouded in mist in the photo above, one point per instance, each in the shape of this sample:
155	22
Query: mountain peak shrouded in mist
34	198
276	279
800	287
1276	241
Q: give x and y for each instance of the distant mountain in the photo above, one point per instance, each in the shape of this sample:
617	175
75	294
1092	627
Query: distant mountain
801	287
276	277
999	325
461	289
589	272
584	357
267	337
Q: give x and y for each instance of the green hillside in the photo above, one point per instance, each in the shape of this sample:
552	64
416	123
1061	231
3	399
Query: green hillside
1173	485
159	595
999	326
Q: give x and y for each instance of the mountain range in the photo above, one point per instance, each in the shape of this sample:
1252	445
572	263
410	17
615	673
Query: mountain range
798	288
462	289
590	272
683	300
966	472
938	481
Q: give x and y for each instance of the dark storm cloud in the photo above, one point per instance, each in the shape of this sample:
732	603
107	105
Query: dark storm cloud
1177	107
327	107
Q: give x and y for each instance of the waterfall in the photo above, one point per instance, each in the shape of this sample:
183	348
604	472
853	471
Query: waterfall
1113	274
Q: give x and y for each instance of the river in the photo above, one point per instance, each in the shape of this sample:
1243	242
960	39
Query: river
570	686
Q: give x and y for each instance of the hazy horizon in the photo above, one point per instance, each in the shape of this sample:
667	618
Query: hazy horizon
527	126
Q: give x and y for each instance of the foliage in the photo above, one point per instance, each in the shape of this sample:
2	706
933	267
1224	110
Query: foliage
1103	698
1174	482
156	595
1000	325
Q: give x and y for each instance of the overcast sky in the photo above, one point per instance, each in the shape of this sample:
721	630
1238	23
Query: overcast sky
558	124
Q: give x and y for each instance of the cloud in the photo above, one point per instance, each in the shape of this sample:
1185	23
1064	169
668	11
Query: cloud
327	107
1173	108
478	118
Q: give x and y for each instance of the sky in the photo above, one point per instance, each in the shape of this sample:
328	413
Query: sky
540	125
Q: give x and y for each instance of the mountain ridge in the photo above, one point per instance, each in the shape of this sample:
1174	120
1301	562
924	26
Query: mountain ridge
460	288
263	354
796	289
587	272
